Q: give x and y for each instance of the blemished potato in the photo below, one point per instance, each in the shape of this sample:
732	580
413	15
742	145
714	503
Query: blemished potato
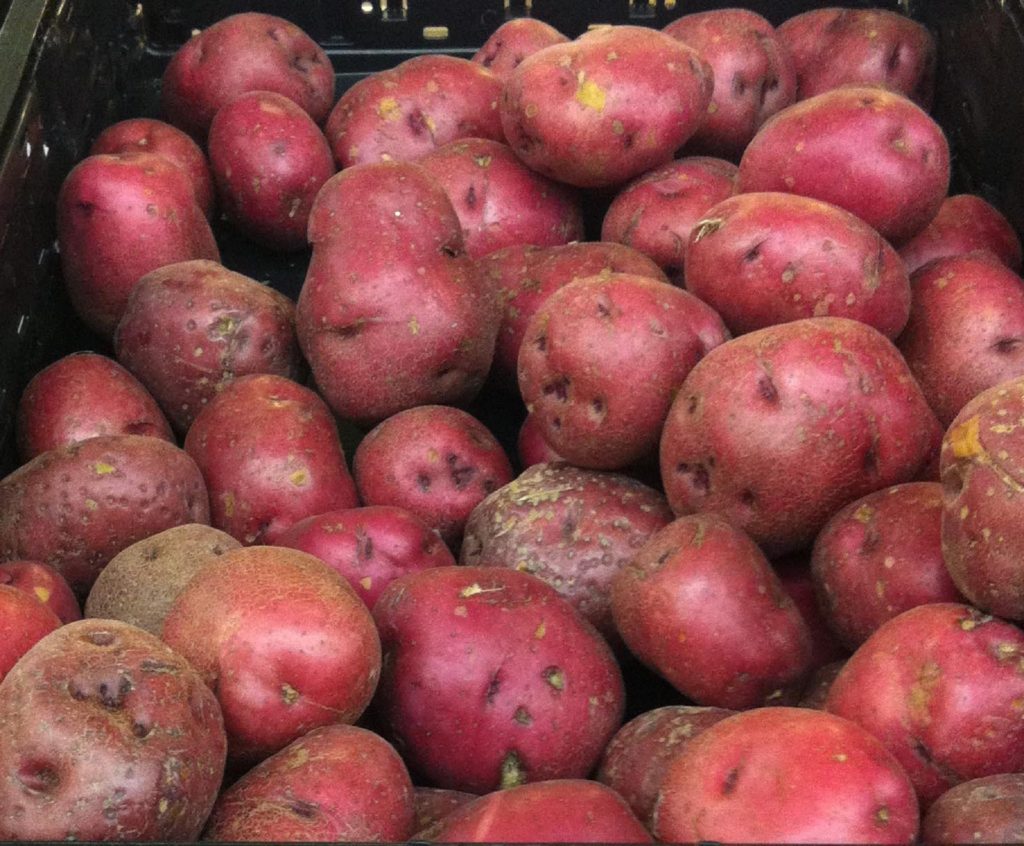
107	734
249	51
982	810
24	621
45	584
513	41
433	803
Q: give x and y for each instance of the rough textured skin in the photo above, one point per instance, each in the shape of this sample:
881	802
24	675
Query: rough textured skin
433	460
141	582
420	104
106	734
512	42
982	810
432	804
45	584
700	605
753	73
76	507
370	547
499	200
269	451
655	212
982	468
601	361
81	396
268	159
867	150
614	103
634	761
778	429
389	281
786	775
795	576
966	329
879	556
767	257
191	328
572	528
119	217
491	679
284	641
940	685
24	621
831	47
245	52
338	783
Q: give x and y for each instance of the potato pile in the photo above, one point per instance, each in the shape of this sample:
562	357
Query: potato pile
751	571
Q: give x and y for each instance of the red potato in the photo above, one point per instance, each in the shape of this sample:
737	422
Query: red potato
435	461
282	639
60	405
191	328
491	679
269	451
269	160
795	576
753	73
963	224
655	213
76	507
600	110
531	448
337	783
499	200
370	547
432	804
786	775
864	149
819	684
24	621
420	104
512	42
245	52
45	584
106	734
119	217
778	429
940	685
767	257
982	810
966	329
700	605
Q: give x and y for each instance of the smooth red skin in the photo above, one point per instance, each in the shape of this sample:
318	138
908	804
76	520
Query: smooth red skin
634	761
700	605
653	94
512	42
966	329
435	461
81	396
753	73
269	451
406	112
940	685
792	775
779	429
265	625
601	361
655	212
963	224
269	160
570	527
765	258
468	648
818	685
148	135
76	507
795	576
982	810
831	47
336	783
392	287
499	200
106	734
531	447
45	584
867	150
119	217
369	547
24	621
432	804
879	556
240	53
554	811
191	328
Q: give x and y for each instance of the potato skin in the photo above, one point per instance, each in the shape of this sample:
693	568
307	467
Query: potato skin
76	507
24	621
982	810
434	803
107	734
512	42
45	584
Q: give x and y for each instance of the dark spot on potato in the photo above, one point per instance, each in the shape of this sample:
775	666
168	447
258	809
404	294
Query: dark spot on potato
729	784
559	388
1005	346
38	776
739	85
522	716
100	638
541	343
493	686
279	148
423	482
692	404
85	208
451	251
664	556
348	330
364	545
155	665
952	482
555	677
302	63
748	497
140	729
771	83
556	423
893	62
417	122
471	197
603	310
766	388
871	540
301	808
461	475
597	409
867	101
753	253
870	461
699	478
628	140
274	34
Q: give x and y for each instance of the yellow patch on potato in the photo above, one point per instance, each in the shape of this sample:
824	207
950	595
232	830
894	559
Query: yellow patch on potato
389	109
589	94
964	439
42	593
104	469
